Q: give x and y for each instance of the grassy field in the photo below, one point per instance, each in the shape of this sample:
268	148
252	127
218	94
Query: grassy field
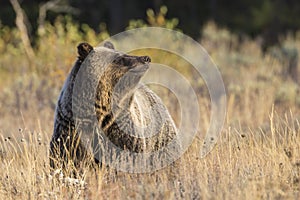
256	157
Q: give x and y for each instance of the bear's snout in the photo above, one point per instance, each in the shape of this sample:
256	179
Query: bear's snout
145	59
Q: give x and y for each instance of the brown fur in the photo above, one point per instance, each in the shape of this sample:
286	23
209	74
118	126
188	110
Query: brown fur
121	102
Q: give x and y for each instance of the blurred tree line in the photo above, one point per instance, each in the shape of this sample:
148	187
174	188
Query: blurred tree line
267	18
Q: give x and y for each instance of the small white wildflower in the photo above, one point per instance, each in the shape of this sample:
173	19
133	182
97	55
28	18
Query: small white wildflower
74	181
57	171
39	178
61	176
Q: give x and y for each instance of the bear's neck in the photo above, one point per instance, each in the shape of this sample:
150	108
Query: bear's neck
110	105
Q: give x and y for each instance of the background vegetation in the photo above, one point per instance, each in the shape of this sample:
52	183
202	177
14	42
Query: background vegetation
266	18
257	156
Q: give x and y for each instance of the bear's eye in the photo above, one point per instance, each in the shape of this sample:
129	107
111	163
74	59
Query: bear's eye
123	61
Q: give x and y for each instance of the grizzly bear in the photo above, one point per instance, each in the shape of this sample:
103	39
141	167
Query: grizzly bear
104	110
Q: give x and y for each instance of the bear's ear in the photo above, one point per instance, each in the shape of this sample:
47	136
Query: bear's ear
83	49
109	45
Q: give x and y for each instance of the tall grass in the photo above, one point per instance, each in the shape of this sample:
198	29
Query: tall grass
257	155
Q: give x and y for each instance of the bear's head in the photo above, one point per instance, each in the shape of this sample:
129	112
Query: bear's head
125	72
119	76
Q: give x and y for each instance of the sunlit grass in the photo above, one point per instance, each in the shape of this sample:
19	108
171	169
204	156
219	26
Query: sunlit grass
245	164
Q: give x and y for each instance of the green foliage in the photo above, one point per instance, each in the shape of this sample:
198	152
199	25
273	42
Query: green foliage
251	17
263	15
155	20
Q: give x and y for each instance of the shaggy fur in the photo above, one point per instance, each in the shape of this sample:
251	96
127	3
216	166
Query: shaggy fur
124	112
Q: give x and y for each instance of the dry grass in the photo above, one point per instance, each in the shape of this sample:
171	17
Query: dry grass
257	156
245	164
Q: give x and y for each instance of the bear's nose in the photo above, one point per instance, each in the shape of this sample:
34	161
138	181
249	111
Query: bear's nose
145	59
